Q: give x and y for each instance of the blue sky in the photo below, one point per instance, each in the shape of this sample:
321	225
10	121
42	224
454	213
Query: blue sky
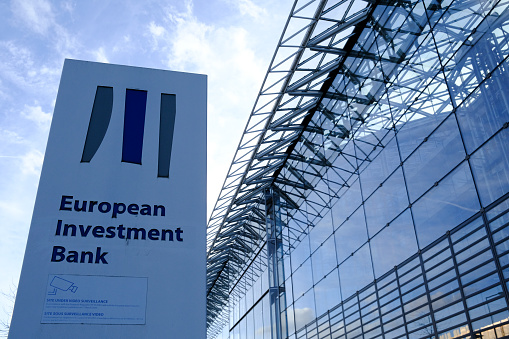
232	41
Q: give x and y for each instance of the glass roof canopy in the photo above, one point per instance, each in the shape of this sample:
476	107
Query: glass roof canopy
342	71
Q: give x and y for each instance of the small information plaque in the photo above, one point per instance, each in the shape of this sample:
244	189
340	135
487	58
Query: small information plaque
90	299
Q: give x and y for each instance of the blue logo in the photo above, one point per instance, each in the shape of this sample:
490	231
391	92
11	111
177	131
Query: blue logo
134	126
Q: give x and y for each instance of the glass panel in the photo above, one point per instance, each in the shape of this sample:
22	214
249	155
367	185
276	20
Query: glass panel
250	326
258	321
501	234
367	297
242	328
386	285
438	257
434	158
304	310
390	301
324	259
490	165
479	272
429	109
454	321
386	202
409	269
416	313
445	206
300	254
347	204
438	270
356	272
351	235
473	240
489	320
471	250
290	315
476	59
482	284
327	293
422	332
380	167
485	111
500	212
464	231
454	308
416	294
419	280
321	231
302	279
492	293
394	244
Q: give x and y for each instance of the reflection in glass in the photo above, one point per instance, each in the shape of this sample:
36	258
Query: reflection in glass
490	165
356	272
300	253
393	244
324	259
426	113
302	279
380	167
321	231
304	310
351	235
434	158
445	206
347	204
327	293
490	104
386	203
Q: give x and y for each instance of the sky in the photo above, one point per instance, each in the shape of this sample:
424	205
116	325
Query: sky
232	41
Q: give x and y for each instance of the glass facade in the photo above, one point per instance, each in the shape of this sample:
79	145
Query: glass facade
388	216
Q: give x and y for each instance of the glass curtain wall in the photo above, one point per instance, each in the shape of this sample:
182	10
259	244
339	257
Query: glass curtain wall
404	233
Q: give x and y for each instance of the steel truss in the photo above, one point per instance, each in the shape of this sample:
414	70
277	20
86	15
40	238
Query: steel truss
344	72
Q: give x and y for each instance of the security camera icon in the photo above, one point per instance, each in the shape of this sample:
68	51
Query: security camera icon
61	284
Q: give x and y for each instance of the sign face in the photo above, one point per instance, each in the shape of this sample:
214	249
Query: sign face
117	244
92	299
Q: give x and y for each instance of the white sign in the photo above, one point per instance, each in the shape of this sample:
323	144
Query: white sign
120	214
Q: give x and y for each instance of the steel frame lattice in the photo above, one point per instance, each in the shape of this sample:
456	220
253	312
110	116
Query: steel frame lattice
342	70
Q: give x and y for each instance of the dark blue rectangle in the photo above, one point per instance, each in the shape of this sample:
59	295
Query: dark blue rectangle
134	125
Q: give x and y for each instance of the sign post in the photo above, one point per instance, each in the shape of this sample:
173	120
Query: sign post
116	246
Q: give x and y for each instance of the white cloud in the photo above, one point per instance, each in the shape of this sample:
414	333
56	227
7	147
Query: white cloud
21	68
157	34
156	30
68	6
37	15
31	163
10	137
36	114
11	207
16	61
247	7
100	55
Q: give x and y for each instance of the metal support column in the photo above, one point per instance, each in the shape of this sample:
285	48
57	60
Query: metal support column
277	294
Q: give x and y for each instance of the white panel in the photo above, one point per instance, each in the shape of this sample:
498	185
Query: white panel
119	240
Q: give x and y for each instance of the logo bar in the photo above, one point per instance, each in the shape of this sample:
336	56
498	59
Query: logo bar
134	125
99	121
166	127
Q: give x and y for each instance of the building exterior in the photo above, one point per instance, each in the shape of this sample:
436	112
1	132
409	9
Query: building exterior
369	195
